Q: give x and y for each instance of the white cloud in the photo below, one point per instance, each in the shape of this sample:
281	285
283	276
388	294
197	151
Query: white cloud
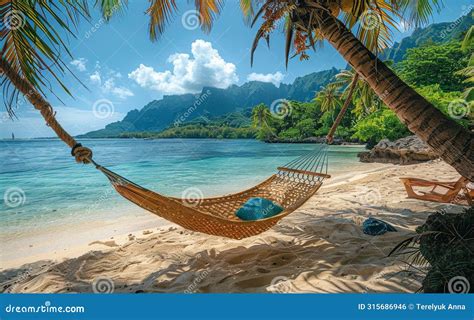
95	77
121	92
190	73
107	83
275	78
80	64
30	124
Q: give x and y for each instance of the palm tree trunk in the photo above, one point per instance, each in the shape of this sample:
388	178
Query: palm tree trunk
453	143
37	100
329	137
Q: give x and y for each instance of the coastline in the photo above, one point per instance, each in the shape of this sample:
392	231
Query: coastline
319	248
99	234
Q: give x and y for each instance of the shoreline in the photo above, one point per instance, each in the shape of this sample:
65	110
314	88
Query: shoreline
39	247
311	140
318	248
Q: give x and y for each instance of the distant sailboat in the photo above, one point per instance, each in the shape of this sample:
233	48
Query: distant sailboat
13	136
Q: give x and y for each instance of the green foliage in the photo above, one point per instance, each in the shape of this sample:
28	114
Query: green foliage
435	64
444	100
443	247
383	124
196	131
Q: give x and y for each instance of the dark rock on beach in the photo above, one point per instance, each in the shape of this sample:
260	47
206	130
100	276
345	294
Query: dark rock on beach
408	150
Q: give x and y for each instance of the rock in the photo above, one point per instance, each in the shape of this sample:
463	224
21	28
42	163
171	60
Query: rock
408	150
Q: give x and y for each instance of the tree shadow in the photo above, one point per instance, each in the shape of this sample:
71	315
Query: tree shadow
305	254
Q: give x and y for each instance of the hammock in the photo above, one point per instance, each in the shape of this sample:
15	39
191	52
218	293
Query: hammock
290	187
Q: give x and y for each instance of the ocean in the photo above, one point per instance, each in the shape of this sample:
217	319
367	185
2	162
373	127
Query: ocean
43	186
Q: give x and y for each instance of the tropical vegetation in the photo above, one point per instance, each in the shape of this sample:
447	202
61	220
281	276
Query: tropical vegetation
441	252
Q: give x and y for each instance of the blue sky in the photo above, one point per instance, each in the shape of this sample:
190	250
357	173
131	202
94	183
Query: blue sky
124	70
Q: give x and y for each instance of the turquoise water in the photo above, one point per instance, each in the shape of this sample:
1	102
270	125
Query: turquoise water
42	185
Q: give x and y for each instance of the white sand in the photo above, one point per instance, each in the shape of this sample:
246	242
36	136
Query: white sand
319	248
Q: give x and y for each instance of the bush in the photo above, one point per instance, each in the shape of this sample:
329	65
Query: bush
383	124
446	243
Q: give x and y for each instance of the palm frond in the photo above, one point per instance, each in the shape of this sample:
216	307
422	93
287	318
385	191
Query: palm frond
160	12
208	10
468	39
109	8
417	12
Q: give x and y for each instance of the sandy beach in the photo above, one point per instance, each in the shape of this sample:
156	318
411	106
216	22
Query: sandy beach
319	248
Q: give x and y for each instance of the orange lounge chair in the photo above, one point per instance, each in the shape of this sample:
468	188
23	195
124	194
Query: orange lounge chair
445	192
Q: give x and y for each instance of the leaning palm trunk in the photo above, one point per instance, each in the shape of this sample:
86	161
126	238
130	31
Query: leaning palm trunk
43	106
329	137
453	143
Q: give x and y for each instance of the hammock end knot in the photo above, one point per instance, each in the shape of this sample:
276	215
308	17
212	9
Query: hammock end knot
82	154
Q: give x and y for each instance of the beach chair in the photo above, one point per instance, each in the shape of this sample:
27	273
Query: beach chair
458	192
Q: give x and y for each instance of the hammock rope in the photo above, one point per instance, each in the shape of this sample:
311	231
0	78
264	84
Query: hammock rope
292	185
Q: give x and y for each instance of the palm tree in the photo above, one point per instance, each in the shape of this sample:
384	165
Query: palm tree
469	70
349	81
261	119
312	20
361	91
261	116
308	22
329	98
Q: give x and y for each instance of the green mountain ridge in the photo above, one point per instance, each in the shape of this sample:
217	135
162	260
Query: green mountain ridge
434	33
213	102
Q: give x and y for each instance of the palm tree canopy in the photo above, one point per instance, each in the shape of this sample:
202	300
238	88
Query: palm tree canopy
329	98
260	115
32	45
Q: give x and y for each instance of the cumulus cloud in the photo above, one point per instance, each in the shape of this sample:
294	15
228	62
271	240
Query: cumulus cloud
190	73
79	63
107	83
275	78
95	78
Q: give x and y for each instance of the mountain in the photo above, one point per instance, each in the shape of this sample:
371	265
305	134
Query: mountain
213	103
435	33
